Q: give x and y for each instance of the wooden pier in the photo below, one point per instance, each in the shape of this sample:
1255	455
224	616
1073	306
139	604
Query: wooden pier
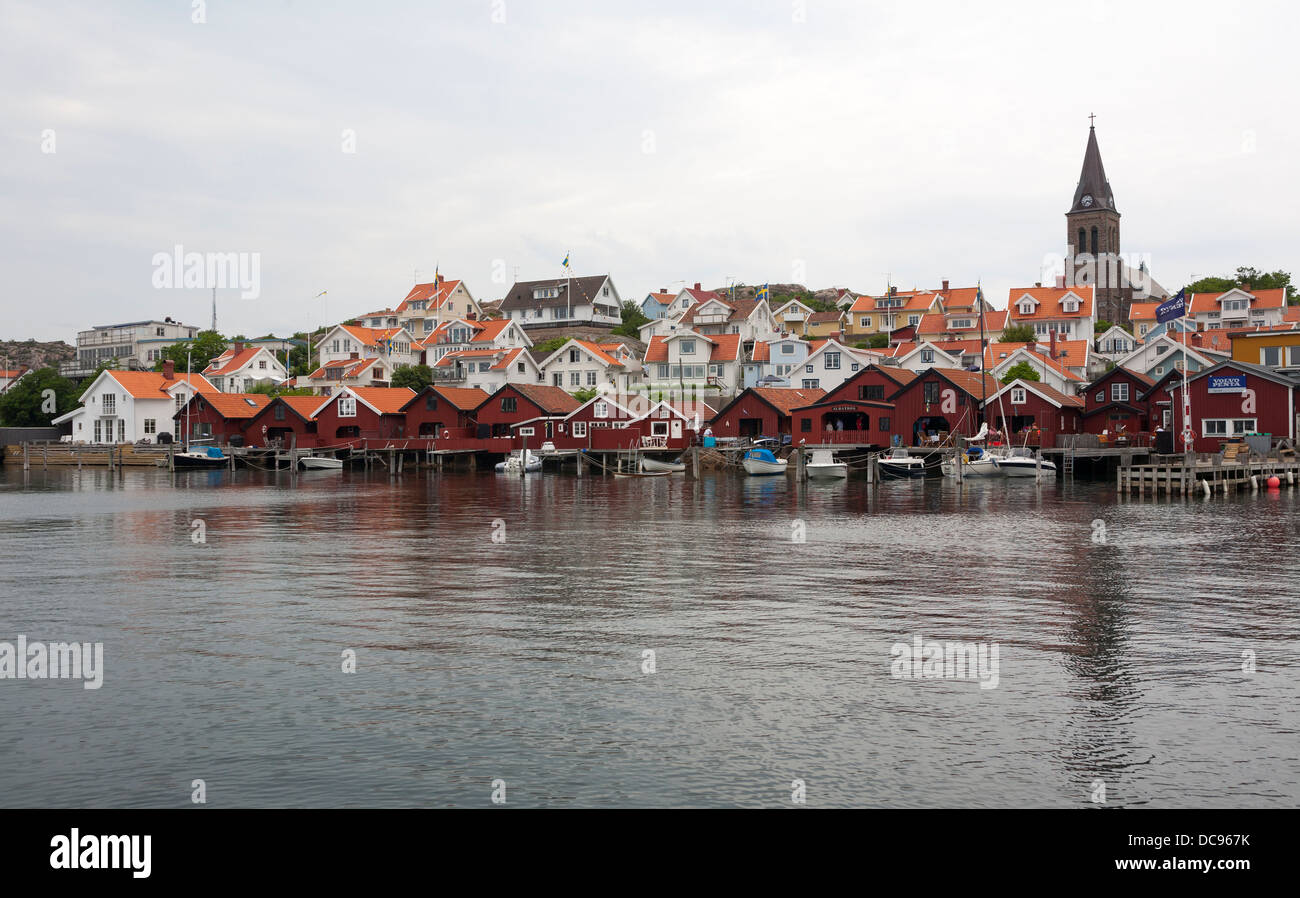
1205	474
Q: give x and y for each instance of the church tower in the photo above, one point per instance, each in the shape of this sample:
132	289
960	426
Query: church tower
1092	234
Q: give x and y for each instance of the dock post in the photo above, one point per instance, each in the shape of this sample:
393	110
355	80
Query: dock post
26	464
523	458
579	459
801	471
1038	468
45	456
695	460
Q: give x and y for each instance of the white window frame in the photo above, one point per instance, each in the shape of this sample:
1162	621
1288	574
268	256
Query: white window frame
1119	392
579	428
347	407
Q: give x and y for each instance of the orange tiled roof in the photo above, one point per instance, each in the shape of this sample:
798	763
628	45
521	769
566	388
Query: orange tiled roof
436	295
230	360
236	405
389	400
1049	302
152	384
784	399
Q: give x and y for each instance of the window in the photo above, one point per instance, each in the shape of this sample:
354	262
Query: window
959	323
600	410
855	366
686	347
930	391
557	379
150	425
579	428
1222	427
871	391
180	401
865	321
805	425
574	356
484	366
109	404
160	332
884	424
591	378
279	412
1159	369
1017	395
575	378
347	407
663	372
1142	330
509	404
1119	392
808	369
810	384
262	364
546	292
527	432
431	402
927	356
1271	356
832	361
787	349
1026	307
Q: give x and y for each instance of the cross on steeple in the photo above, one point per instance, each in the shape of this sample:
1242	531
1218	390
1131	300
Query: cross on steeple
1092	120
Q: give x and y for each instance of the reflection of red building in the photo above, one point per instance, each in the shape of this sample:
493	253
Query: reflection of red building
216	417
436	411
762	412
941	401
1032	413
363	413
289	419
1232	399
1117	401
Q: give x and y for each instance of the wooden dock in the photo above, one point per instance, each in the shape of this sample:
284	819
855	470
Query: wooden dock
1205	475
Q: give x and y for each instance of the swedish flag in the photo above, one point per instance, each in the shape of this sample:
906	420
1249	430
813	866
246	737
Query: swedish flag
763	295
565	263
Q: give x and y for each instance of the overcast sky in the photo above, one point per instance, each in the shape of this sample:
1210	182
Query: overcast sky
664	143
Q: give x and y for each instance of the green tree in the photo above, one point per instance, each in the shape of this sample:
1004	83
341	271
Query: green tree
205	347
1258	280
633	318
1101	326
416	377
1020	371
1018	333
546	347
27	404
585	394
878	341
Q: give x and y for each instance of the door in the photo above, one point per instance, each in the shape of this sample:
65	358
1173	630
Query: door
677	428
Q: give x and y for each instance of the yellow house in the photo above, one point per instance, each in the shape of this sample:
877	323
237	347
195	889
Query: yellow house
881	314
824	324
1272	348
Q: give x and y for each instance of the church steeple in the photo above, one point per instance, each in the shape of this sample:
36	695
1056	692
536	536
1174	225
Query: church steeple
1093	192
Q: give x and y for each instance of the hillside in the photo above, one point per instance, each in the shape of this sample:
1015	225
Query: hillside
33	354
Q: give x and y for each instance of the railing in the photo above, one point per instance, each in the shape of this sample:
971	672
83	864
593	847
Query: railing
837	437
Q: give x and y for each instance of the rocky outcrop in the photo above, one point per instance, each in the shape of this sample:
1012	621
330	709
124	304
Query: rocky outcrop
32	354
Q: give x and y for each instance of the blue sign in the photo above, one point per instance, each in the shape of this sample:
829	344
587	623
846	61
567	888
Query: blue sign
1227	383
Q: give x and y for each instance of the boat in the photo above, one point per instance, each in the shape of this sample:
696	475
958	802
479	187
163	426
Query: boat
760	462
321	463
899	465
823	465
1023	463
531	463
655	466
200	458
977	461
643	473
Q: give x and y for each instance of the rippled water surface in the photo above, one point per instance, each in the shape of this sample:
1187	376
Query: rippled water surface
520	658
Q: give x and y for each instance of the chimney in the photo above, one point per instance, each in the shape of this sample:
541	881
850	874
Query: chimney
663	289
239	346
1038	283
1060	282
471	316
353	355
169	370
1051	349
697	286
945	286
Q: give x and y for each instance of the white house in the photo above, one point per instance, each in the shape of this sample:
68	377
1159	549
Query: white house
459	334
349	341
1158	356
686	359
750	319
339	373
791	316
428	305
240	367
561	301
920	357
131	406
830	364
1067	311
1050	371
488	369
584	365
1237	307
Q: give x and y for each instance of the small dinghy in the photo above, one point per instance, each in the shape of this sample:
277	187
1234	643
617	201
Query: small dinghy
531	463
321	463
823	466
655	466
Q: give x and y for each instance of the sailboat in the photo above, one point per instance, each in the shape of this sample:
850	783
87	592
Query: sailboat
203	457
978	460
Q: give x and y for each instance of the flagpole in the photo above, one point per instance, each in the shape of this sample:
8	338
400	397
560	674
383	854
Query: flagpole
568	287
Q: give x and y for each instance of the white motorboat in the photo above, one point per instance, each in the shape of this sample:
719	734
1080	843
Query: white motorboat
530	463
655	466
823	465
976	461
321	463
1023	463
761	462
899	465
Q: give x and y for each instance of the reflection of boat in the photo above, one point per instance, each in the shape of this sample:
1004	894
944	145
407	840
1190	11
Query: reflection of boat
531	463
761	462
321	463
1023	463
654	465
643	473
899	465
207	457
824	465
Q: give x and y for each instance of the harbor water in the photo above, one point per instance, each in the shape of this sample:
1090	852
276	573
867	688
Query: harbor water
554	641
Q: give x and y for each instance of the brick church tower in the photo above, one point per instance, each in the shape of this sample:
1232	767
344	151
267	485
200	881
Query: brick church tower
1092	233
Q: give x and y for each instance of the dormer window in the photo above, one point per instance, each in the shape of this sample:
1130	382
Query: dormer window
546	292
1070	305
1026	307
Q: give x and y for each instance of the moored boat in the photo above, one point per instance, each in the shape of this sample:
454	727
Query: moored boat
1023	463
976	461
655	466
205	457
531	463
761	462
899	465
321	463
823	465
